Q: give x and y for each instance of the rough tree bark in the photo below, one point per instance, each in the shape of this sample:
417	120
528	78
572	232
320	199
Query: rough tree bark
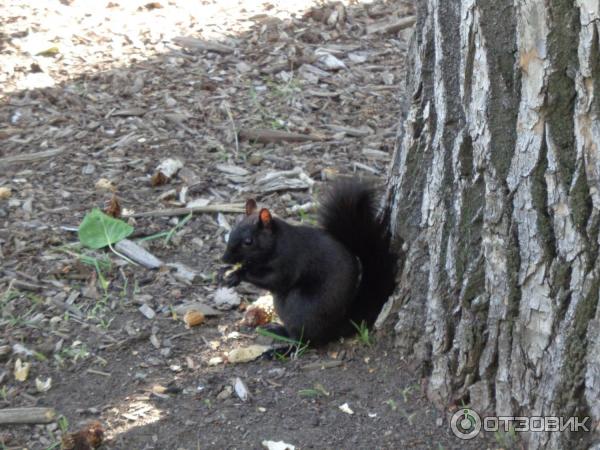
495	190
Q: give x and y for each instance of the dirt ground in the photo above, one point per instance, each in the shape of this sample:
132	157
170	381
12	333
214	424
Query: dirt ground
101	93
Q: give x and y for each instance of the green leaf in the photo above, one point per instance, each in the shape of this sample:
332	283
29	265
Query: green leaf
49	52
98	230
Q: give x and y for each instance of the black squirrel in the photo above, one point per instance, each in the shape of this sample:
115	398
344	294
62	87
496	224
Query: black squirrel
325	281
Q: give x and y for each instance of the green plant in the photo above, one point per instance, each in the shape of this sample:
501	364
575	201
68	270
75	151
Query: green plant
21	318
299	346
63	424
99	264
168	234
407	390
99	230
363	333
75	353
105	323
317	391
309	393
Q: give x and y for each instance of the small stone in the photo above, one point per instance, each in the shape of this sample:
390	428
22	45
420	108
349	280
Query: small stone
226	298
225	393
256	159
147	311
88	169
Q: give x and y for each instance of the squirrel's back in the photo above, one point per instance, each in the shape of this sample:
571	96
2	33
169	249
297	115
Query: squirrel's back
349	213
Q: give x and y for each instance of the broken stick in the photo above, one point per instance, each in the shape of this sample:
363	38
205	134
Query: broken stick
266	136
392	27
224	208
27	415
30	157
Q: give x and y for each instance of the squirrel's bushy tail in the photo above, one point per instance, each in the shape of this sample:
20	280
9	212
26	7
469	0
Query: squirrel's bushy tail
349	213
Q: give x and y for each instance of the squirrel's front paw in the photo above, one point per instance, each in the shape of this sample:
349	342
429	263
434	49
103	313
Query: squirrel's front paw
231	277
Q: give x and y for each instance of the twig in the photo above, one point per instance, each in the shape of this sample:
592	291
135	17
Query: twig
26	286
266	136
392	27
30	157
27	415
235	134
99	372
224	208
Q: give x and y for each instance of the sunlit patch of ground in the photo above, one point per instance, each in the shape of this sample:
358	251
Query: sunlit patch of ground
47	42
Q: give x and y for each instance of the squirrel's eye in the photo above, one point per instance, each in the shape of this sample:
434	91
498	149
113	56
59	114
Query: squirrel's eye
248	241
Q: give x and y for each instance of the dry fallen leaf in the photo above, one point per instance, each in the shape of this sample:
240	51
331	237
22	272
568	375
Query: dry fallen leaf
104	184
158	179
245	354
88	438
345	408
193	318
158	389
256	315
5	193
215	361
43	386
21	370
165	171
113	208
241	389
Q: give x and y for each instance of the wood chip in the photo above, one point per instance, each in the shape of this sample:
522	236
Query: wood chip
267	135
392	27
138	254
233	170
198	44
128	112
147	311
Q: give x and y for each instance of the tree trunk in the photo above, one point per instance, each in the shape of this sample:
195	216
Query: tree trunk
495	189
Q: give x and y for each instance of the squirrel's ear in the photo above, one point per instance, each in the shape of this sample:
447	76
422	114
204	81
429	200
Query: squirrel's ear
265	218
250	206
